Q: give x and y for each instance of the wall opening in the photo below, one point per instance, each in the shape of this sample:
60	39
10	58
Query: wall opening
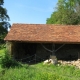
23	51
34	52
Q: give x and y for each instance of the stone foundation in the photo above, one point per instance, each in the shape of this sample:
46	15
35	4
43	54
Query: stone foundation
70	63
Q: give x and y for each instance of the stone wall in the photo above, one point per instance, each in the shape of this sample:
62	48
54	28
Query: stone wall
8	46
68	52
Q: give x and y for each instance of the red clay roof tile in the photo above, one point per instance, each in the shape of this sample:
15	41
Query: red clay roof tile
44	33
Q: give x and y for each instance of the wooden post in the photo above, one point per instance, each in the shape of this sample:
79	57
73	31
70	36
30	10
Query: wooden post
53	56
35	58
53	49
78	55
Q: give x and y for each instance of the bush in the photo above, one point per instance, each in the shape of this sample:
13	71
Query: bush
7	61
2	46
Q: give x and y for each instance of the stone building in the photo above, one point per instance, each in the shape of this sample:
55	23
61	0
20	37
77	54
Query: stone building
43	40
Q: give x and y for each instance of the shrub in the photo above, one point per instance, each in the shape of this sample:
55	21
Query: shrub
2	46
7	61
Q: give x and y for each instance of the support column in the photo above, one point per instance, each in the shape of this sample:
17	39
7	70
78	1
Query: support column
53	56
78	55
53	49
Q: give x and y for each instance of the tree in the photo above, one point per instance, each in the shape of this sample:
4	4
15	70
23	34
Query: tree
4	24
53	19
67	12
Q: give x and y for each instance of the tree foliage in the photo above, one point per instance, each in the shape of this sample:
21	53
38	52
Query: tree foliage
67	12
4	18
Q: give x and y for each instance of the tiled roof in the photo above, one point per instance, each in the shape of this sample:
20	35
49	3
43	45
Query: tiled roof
44	33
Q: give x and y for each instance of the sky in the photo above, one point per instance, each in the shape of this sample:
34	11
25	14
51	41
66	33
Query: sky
29	11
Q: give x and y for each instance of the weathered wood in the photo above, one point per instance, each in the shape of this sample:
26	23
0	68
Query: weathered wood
78	55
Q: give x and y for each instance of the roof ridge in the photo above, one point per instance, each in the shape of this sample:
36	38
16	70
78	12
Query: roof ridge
42	24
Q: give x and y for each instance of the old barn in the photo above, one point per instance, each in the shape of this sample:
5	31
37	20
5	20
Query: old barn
28	41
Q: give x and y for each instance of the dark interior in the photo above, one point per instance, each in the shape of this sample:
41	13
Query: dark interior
26	52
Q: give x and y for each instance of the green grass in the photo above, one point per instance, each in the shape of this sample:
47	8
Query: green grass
2	53
39	72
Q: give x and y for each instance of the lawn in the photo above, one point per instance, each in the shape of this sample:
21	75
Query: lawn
2	51
39	72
